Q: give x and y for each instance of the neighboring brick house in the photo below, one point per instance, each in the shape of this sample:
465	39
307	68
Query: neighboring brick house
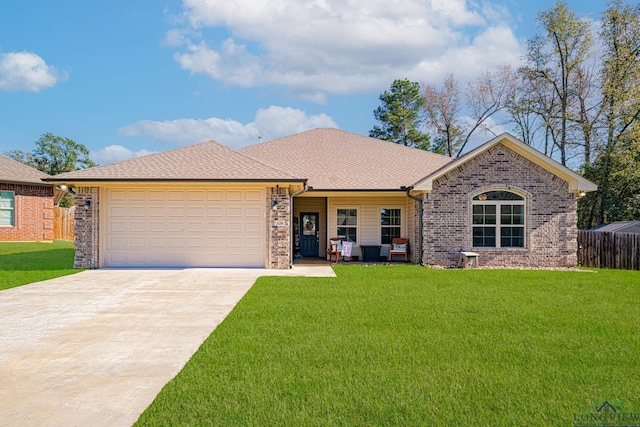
26	203
262	206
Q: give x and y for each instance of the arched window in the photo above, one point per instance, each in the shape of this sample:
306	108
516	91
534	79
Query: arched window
498	220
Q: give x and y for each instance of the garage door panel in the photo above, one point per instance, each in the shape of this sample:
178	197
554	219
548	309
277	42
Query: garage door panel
253	242
195	196
185	228
137	227
196	211
118	242
253	226
234	227
136	195
174	226
156	227
117	212
253	212
118	227
214	195
137	212
137	242
234	196
176	195
156	212
253	196
156	195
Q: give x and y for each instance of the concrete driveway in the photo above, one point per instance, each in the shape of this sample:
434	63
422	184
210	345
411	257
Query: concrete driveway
95	348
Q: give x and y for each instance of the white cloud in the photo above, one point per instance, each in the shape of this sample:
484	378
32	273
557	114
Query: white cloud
315	47
270	123
115	153
26	71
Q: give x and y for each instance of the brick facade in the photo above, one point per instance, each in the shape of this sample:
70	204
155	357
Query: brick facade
278	228
413	230
550	222
87	228
33	213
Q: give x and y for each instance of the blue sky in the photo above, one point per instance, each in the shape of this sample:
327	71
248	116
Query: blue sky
127	78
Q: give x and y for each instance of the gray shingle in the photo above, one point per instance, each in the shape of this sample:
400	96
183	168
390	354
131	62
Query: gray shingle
206	161
333	159
14	171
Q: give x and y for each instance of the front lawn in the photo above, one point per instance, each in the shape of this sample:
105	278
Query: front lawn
22	263
406	345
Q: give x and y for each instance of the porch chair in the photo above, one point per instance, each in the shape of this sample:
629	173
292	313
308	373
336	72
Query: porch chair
335	248
399	246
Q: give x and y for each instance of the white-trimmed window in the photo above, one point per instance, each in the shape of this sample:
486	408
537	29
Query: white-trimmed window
7	208
498	220
347	224
390	224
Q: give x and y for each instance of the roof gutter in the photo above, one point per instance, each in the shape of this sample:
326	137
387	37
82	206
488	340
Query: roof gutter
304	190
407	190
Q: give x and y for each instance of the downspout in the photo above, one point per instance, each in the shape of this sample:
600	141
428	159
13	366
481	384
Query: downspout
304	190
420	238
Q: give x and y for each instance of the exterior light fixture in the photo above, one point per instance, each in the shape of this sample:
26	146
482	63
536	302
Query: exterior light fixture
274	205
582	194
87	204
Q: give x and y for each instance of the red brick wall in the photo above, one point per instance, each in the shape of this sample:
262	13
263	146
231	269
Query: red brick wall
33	213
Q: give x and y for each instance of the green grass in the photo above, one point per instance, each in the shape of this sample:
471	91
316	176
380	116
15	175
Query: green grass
407	345
22	263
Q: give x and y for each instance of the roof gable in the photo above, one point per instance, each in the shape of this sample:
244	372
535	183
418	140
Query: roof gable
208	161
333	159
577	183
14	171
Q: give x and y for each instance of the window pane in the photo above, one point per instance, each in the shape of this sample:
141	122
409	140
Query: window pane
389	233
309	225
505	214
6	217
490	219
518	219
390	216
512	237
342	217
484	237
498	195
390	224
347	221
348	233
6	208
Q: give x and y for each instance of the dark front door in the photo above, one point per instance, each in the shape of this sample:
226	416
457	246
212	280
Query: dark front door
309	236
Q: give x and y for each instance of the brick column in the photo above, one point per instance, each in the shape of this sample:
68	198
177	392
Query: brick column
278	228
87	227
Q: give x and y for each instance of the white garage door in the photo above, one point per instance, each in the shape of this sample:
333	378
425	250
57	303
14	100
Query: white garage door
184	228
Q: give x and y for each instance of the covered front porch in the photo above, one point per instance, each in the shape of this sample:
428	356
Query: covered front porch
366	219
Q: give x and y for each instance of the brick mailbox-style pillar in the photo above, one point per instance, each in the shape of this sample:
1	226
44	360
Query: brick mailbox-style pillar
278	228
87	227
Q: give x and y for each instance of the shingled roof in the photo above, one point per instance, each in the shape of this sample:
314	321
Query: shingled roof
14	171
208	161
333	159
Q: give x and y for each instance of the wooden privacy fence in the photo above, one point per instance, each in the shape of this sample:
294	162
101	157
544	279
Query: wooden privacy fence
601	249
63	223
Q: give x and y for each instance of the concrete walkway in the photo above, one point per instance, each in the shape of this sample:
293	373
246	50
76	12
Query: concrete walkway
95	348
